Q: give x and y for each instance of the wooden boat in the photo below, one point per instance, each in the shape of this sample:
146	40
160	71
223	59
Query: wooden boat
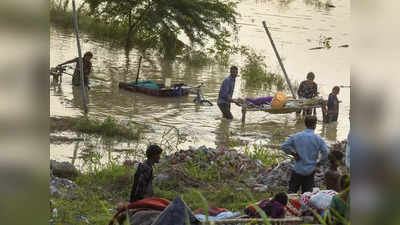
176	90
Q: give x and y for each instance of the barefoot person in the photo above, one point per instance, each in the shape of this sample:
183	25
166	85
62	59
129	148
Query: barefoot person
226	92
87	68
333	105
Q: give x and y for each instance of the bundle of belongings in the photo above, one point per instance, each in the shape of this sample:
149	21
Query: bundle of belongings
214	214
279	103
293	205
303	205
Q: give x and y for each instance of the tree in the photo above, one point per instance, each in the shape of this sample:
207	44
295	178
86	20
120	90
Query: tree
156	24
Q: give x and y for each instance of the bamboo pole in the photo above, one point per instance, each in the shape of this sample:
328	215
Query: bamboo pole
279	58
80	57
244	110
138	70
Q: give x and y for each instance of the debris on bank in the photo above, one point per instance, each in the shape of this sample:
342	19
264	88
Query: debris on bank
230	164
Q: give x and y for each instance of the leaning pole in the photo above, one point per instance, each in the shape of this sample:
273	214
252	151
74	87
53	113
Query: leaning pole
80	57
279	58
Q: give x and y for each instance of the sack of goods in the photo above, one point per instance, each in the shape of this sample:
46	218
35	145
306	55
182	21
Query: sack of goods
279	100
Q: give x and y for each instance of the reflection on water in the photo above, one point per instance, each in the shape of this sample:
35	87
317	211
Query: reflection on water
295	26
329	131
222	134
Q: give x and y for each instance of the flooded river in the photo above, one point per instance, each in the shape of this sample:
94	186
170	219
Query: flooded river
295	25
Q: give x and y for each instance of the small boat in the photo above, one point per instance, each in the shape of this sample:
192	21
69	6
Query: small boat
155	89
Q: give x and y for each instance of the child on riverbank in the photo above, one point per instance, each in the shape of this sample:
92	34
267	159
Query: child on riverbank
332	176
274	208
143	179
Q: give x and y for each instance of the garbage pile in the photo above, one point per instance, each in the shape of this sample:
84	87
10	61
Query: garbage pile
232	164
210	156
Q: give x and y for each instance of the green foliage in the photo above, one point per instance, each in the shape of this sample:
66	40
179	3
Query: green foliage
208	174
99	30
109	128
98	193
255	72
162	21
267	156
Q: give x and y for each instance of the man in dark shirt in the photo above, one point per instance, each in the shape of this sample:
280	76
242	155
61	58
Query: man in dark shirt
143	179
226	92
87	68
308	89
333	105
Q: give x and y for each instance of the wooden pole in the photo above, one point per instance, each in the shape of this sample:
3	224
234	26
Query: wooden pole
80	57
279	59
244	110
138	70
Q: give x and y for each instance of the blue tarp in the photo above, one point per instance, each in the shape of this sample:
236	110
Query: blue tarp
146	83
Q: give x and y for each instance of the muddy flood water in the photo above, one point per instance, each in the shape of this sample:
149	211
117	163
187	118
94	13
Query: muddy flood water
295	25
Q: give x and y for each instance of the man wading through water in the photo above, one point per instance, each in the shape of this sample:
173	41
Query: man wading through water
143	179
87	68
306	146
226	92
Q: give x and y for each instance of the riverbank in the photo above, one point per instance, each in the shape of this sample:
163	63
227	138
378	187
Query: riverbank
224	177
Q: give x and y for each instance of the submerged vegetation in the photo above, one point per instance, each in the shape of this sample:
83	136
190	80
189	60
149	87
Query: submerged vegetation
154	25
256	73
109	127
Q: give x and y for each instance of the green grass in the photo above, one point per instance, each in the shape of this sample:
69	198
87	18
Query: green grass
267	156
103	189
109	128
99	192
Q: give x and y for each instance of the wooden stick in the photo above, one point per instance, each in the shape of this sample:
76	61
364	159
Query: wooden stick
80	58
138	70
279	59
244	110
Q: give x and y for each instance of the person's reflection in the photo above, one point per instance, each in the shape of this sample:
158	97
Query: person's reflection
57	89
222	134
77	97
329	131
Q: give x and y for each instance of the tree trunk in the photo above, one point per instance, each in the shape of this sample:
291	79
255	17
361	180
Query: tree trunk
128	38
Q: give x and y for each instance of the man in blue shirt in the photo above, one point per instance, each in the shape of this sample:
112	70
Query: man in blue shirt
226	93
305	146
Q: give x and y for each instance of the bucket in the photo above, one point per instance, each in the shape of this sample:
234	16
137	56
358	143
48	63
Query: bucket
167	82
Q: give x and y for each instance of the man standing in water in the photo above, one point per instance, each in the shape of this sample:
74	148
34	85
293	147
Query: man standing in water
333	105
308	89
305	147
87	68
226	92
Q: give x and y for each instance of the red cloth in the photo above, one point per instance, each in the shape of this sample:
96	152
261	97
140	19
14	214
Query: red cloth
150	203
212	211
293	208
144	204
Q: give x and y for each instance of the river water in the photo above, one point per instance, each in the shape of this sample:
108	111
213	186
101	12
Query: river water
295	25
